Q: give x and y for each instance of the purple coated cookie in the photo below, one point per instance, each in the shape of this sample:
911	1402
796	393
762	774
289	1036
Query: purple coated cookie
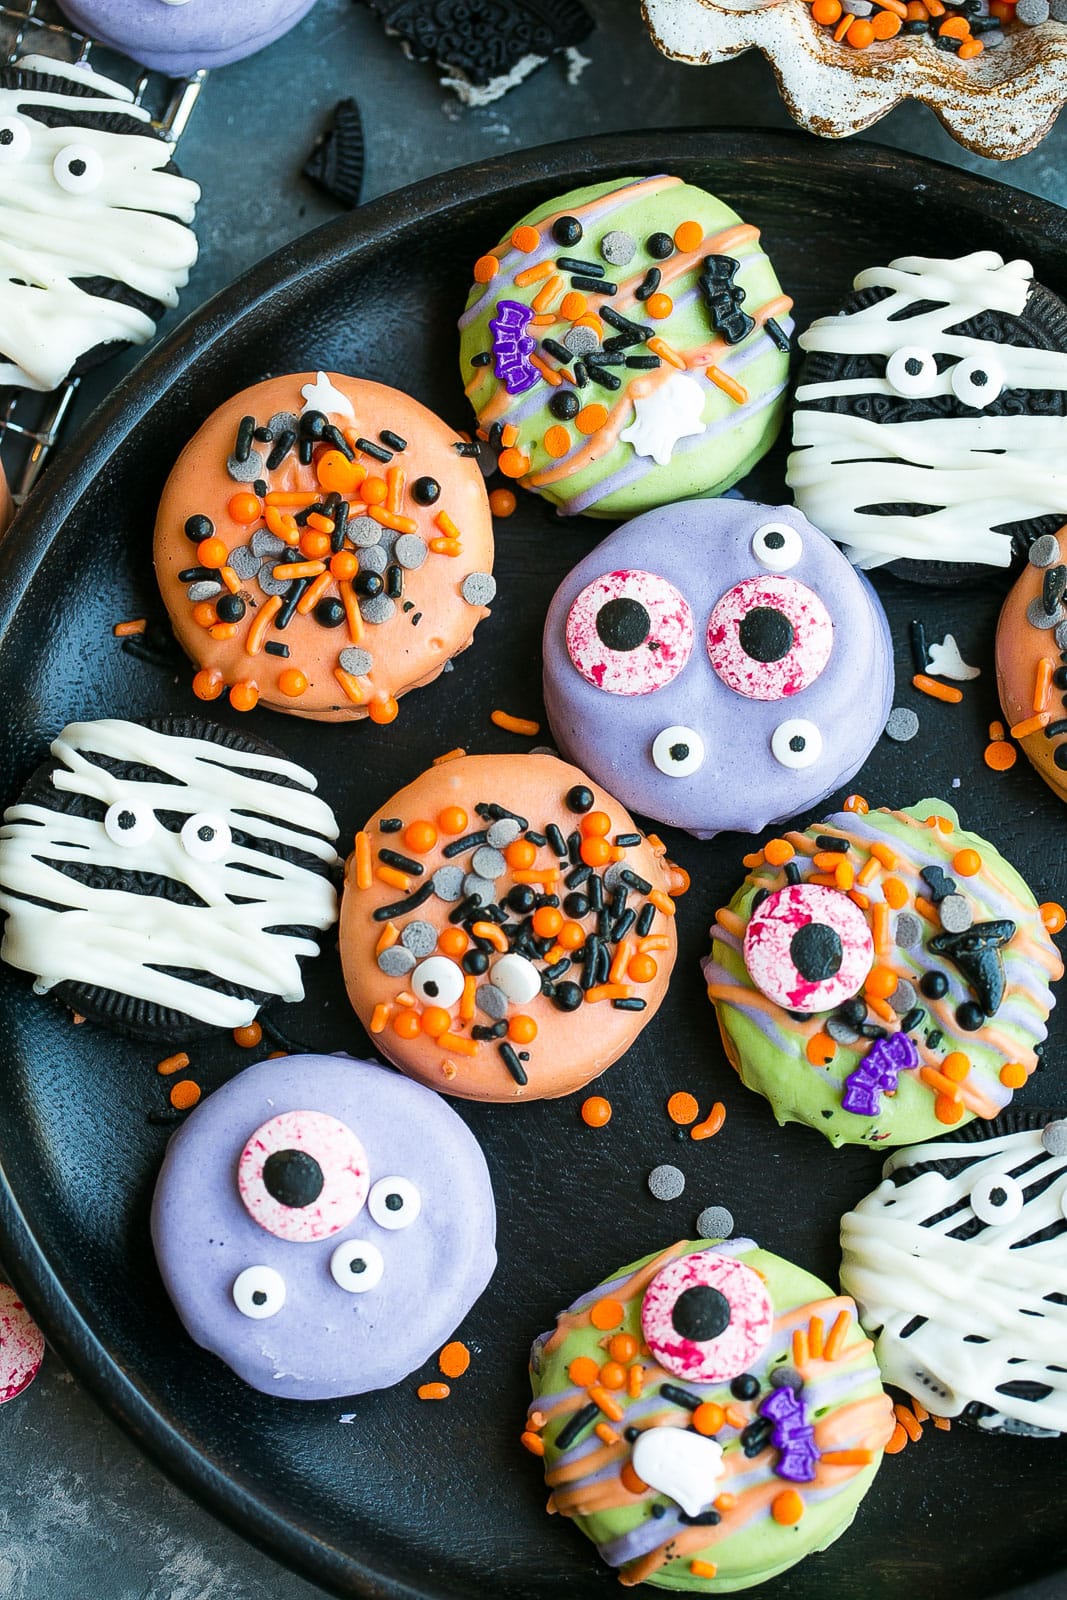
323	1225
180	36
717	664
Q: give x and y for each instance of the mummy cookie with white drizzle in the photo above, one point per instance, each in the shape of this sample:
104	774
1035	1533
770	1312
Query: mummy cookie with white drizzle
166	878
958	1262
95	239
322	1225
931	414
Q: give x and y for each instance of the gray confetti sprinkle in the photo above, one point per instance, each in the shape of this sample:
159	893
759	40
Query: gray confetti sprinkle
488	863
363	531
356	661
714	1222
482	887
269	583
448	883
284	422
396	962
1032	12
903	724
377	610
840	1031
203	589
387	539
410	551
666	1182
858	8
265	543
491	1000
908	930
579	341
903	997
1054	1138
479	589
502	832
420	938
618	247
995	37
1036	615
955	912
1061	636
611	875
1059	10
244	561
786	1378
374	559
1045	552
543	750
248	471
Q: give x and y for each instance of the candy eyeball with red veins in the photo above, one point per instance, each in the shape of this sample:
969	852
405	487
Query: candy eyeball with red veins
808	948
706	1317
323	1225
782	705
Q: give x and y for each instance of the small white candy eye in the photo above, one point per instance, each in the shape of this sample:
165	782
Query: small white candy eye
678	751
996	1198
912	372
796	743
394	1203
78	169
14	140
129	823
437	981
356	1266
777	546
206	836
977	381
259	1292
518	978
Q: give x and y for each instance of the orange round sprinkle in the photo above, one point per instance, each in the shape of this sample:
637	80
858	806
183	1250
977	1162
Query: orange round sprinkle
374	491
861	34
204	613
212	552
314	545
622	1347
966	863
820	1050
659	306
244	696
969	49
856	803
1000	755
688	235
946	1110
708	1418
336	473
778	852
1053	916
641	968
292	682
243	508
452	941
454	1359
583	1371
596	823
573	306
683	1108
184	1095
885	25
526	238
787	1507
406	1024
486	269
595	852
956	1066
248	1036
591	417
344	564
606	1314
453	819
522	1030
520	854
881	983
547	921
826	12
1013	1075
596	1111
512	462
433	1391
502	503
384	711
420	837
557	441
435	1021
631	1482
571	936
208	684
613	1375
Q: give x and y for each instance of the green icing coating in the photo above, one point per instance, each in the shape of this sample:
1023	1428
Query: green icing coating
769	1053
759	1548
731	447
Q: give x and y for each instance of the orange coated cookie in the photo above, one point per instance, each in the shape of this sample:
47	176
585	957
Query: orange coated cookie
506	930
1032	659
323	545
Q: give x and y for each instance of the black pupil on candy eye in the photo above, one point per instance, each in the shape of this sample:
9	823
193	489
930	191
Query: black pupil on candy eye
816	951
292	1177
205	834
127	820
6	136
258	1297
431	988
797	743
679	752
913	366
700	1313
76	168
765	634
979	380
997	1197
773	541
623	624
357	1265
394	1202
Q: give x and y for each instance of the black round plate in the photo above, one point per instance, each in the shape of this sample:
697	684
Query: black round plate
440	1500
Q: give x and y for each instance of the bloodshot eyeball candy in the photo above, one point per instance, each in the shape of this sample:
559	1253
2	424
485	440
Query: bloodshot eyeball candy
708	1416
180	36
627	345
882	976
323	1225
717	664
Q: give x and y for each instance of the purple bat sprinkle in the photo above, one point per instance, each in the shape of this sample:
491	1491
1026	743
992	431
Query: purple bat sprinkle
877	1074
513	347
792	1436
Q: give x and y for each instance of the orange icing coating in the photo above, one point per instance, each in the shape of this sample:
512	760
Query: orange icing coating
1022	652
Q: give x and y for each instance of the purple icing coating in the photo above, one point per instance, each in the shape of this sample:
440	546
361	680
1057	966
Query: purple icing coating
513	346
178	39
704	548
877	1074
325	1341
793	1435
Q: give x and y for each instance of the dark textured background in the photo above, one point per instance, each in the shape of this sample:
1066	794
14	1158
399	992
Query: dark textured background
81	1512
